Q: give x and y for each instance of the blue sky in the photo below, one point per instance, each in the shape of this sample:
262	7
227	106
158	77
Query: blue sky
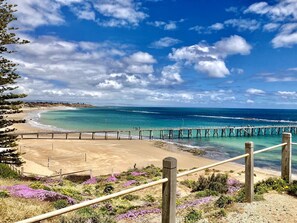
201	53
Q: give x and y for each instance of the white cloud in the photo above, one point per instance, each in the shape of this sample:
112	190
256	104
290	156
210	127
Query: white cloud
108	84
243	24
114	13
270	27
287	95
170	25
34	13
85	71
287	37
210	59
282	12
141	57
84	12
233	45
254	91
284	9
293	69
280	79
171	75
120	12
237	70
165	42
215	68
217	26
249	101
140	69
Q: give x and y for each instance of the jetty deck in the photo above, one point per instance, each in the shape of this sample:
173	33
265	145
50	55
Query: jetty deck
163	133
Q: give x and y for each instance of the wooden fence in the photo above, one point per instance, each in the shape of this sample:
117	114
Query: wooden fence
169	181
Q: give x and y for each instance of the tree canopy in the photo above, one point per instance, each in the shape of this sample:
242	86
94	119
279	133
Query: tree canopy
10	100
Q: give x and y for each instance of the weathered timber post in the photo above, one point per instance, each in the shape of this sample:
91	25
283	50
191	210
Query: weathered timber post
90	173
66	135
93	135
169	190
287	157
79	137
249	172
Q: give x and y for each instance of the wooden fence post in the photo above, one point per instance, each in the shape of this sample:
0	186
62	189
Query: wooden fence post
287	157
169	190
249	172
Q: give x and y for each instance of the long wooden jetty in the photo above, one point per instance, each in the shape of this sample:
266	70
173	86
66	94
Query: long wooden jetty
164	133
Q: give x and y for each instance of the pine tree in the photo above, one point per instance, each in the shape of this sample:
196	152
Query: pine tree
10	102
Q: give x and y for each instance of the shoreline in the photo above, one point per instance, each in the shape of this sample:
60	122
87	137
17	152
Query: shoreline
115	155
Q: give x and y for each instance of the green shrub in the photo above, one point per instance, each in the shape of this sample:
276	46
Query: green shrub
60	204
224	201
68	191
215	182
131	197
206	193
149	198
189	183
220	213
292	188
39	185
193	216
264	186
6	172
4	194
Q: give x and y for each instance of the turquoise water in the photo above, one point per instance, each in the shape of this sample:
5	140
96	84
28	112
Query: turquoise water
105	118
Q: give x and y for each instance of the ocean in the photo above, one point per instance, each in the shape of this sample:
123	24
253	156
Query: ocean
119	118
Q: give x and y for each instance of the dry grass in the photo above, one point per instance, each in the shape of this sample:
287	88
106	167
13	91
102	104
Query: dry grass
15	209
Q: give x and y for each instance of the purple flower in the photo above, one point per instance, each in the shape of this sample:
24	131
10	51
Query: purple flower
200	201
92	180
233	185
128	183
26	192
137	213
135	174
112	178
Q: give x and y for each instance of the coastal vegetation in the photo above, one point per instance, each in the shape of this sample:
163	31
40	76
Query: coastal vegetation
36	104
10	102
211	196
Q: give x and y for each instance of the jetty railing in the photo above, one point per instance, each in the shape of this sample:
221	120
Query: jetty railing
169	181
166	133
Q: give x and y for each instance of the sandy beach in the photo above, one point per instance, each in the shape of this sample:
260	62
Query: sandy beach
47	156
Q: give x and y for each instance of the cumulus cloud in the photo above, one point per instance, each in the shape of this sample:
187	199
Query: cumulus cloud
171	75
255	91
82	71
284	12
165	42
141	57
210	59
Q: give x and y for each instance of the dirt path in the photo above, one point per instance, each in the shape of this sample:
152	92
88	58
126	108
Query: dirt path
275	208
